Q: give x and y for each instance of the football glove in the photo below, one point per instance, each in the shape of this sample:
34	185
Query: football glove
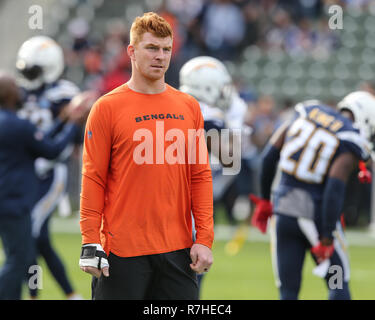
262	212
322	252
364	175
93	255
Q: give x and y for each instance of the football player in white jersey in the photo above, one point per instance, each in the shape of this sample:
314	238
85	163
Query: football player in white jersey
208	80
40	62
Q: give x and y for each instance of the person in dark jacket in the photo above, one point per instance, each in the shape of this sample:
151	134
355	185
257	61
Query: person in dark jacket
20	144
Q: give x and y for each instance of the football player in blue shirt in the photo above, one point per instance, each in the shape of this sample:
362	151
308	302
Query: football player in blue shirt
40	62
20	144
315	153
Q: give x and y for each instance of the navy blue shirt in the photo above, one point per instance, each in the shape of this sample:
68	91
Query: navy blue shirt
315	138
20	144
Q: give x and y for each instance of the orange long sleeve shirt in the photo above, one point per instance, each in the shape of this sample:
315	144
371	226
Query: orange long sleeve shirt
140	184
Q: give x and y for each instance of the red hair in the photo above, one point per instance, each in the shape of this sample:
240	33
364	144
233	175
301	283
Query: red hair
149	22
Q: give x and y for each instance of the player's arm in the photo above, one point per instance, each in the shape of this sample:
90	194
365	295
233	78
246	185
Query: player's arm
96	155
332	203
57	126
75	109
41	145
202	204
59	122
334	193
270	159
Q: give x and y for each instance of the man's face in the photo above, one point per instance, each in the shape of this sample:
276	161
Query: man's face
151	56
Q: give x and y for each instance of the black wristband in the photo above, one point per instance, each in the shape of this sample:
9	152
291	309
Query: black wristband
89	252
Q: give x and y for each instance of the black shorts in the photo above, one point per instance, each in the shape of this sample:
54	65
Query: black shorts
152	277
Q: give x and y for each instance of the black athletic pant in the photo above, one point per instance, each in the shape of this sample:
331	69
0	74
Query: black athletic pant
15	233
152	277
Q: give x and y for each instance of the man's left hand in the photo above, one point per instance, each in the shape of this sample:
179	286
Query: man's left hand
201	257
323	250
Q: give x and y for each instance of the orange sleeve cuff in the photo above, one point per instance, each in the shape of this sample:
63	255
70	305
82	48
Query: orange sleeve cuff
206	240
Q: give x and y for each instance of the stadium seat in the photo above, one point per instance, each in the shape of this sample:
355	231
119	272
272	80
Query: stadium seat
349	40
294	70
370	40
368	56
337	88
290	87
266	86
86	11
69	3
133	10
351	24
313	88
252	53
60	12
249	69
272	70
276	56
369	24
366	72
344	55
341	71
96	3
317	71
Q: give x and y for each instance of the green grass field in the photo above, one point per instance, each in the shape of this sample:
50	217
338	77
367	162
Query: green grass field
246	276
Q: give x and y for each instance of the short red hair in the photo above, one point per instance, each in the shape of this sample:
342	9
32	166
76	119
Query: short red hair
149	22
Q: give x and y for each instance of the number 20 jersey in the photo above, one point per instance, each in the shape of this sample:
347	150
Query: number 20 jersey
314	139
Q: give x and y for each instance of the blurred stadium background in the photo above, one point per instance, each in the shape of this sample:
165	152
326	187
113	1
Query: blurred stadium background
278	52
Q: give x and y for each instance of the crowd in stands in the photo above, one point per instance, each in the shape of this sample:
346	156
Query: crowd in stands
219	28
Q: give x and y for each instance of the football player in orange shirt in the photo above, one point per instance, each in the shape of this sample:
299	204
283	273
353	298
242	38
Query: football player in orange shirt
137	207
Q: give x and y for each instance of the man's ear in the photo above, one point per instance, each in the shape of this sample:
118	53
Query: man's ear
130	51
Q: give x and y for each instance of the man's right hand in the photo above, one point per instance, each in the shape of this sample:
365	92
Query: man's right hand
201	257
263	210
93	260
323	250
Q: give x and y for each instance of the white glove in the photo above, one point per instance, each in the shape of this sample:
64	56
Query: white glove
93	255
